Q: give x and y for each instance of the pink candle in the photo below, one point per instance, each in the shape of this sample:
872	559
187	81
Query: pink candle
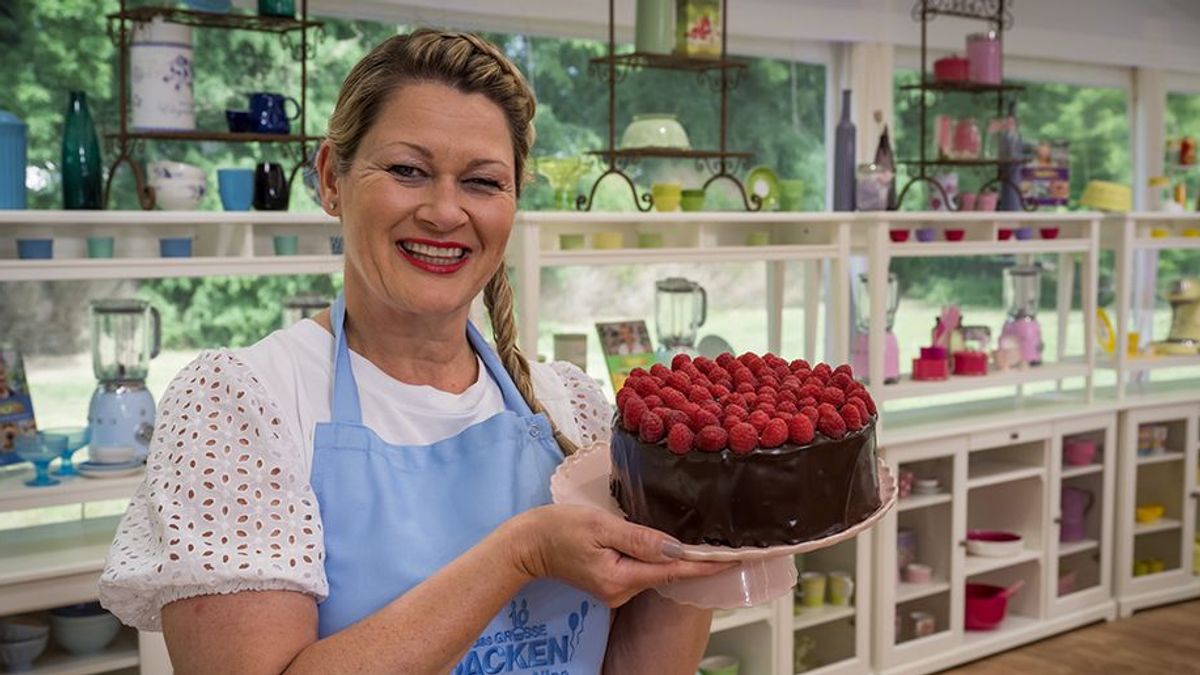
983	55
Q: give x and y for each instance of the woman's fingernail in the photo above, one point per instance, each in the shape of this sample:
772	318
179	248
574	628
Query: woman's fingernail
672	549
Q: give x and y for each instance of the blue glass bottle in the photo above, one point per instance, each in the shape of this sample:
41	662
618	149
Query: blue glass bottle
81	166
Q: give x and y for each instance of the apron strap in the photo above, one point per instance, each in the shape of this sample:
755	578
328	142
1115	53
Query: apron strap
513	400
345	407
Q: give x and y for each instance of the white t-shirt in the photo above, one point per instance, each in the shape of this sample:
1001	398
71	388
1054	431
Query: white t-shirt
226	504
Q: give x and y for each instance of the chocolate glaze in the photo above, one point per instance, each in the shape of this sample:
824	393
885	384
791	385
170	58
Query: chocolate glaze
767	497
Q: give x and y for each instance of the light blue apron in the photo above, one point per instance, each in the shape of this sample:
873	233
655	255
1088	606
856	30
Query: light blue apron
396	514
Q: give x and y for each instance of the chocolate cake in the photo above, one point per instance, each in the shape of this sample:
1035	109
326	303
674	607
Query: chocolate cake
746	451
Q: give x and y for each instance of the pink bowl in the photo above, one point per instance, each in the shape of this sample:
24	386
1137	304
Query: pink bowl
1049	232
986	606
898	235
1005	233
1078	451
955	235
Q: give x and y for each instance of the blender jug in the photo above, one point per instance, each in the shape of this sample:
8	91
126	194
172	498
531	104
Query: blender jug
126	334
1022	293
680	308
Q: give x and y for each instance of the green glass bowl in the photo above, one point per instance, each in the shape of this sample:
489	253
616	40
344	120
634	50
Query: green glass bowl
657	130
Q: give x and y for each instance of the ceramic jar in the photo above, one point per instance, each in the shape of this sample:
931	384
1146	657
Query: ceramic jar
655	27
655	130
160	77
983	57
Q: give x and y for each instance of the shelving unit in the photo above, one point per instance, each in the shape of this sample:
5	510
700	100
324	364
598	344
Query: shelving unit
835	640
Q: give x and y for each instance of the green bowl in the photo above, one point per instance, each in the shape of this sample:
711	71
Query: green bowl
692	200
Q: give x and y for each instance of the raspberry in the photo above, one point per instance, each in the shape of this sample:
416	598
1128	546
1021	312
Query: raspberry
768	381
745	388
787	407
742	376
730	399
758	419
730	422
717	391
785	416
774	434
637	373
623	397
702	419
689	409
799	364
815	381
653	401
673	398
866	397
659	370
737	411
852	417
671	417
679	439
712	407
806	402
845	368
773	360
840	380
860	404
767	389
809	390
767	397
644	386
679	360
788	396
832	426
632	415
652	428
781	372
833	395
811	413
750	399
766	407
703	364
743	438
823	371
790	383
699	394
711	439
748	359
827	409
724	359
679	381
800	430
802	375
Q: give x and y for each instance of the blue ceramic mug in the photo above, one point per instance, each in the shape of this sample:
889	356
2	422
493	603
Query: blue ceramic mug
268	112
237	188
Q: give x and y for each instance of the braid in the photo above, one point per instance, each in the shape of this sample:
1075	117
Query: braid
498	298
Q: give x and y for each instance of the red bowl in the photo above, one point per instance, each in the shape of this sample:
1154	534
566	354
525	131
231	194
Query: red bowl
1005	233
986	606
1049	232
898	235
955	235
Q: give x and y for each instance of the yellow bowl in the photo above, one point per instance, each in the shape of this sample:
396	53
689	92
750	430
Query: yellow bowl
667	196
1192	232
1148	513
607	240
1159	233
1105	196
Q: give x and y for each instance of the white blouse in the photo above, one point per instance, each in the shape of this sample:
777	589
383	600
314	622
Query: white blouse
226	503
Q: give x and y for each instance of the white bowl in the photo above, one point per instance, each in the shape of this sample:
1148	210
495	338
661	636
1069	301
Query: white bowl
111	454
996	549
83	635
174	170
20	628
19	656
179	197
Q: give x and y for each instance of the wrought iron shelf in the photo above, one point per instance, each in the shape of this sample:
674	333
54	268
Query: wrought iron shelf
991	11
963	162
963	87
637	60
230	21
219	136
669	153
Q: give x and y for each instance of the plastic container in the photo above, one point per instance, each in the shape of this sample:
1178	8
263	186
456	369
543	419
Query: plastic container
926	234
930	369
1078	451
1004	233
1049	232
986	606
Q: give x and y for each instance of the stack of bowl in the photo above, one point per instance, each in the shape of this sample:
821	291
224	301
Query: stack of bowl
177	186
84	629
22	639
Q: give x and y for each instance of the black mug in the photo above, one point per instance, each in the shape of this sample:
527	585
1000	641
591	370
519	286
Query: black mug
270	187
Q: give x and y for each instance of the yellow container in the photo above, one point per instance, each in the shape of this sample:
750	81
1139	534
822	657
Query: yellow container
1105	196
607	240
667	196
1148	513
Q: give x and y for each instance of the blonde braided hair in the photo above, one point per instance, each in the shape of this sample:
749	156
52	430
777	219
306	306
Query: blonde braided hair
471	65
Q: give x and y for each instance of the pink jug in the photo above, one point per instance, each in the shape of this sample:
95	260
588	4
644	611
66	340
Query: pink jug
1076	503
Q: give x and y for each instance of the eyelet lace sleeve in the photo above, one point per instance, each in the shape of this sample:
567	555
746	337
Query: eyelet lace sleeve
225	506
592	411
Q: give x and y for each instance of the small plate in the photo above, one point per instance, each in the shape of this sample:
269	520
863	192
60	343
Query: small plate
764	573
762	181
96	470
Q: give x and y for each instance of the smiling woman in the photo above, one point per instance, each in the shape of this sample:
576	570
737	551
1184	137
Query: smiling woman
368	491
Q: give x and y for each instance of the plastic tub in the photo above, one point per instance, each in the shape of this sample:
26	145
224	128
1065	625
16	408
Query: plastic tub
35	249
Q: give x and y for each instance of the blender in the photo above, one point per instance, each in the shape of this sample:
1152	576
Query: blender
1022	292
1184	338
680	309
860	349
125	336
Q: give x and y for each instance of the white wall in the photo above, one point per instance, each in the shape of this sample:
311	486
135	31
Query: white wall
1163	34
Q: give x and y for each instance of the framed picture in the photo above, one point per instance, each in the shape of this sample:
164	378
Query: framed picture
16	406
626	345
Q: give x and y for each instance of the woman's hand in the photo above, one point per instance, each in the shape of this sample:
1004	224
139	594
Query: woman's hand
597	552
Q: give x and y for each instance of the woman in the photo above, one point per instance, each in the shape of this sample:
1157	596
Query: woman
367	492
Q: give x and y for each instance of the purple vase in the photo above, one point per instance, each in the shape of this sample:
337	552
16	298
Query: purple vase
1076	503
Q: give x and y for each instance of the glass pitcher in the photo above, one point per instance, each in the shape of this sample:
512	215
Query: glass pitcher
126	334
1022	290
862	302
680	308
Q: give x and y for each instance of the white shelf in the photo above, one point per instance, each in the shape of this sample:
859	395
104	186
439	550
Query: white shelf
1160	525
909	388
1013	623
51	551
1139	364
15	495
1168	243
921	501
1071	548
1162	457
144	218
977	564
553	218
983	472
906	592
815	616
981	217
1084	470
742	617
643	256
945	249
122	653
161	268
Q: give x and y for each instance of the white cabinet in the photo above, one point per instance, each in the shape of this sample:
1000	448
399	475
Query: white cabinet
1158	467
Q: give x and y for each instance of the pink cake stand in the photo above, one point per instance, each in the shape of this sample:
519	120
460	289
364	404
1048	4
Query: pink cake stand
764	573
